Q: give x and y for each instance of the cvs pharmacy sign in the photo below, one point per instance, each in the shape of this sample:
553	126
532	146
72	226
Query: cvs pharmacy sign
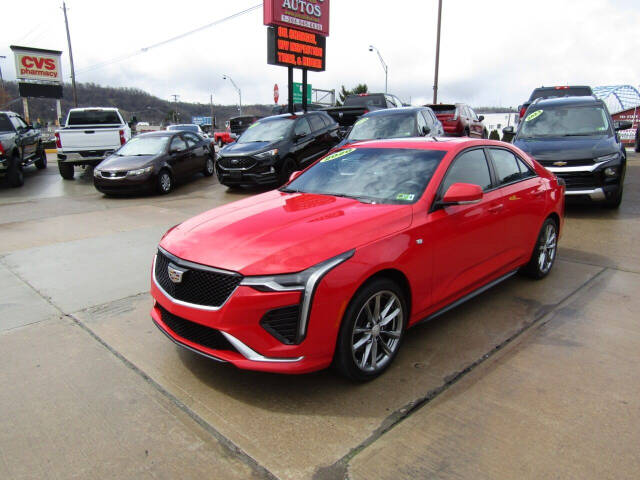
37	64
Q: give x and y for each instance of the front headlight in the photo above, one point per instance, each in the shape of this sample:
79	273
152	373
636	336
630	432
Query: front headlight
140	171
305	281
96	172
268	154
607	158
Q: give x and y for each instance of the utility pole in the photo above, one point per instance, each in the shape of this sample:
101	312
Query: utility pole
175	109
435	82
73	72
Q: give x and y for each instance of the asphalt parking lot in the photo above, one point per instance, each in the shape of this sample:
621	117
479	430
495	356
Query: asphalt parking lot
530	380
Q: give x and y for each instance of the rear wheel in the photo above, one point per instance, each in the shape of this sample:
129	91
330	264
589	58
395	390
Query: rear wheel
165	182
15	176
544	253
288	167
372	330
66	170
208	167
41	163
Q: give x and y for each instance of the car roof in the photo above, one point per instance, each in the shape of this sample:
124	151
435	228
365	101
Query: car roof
294	115
394	111
428	143
561	101
158	133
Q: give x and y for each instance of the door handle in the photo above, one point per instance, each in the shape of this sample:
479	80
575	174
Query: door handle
496	208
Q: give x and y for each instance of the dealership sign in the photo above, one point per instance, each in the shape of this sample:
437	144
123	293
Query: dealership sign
628	137
290	47
308	15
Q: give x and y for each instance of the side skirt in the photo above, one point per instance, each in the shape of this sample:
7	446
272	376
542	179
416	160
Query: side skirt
467	297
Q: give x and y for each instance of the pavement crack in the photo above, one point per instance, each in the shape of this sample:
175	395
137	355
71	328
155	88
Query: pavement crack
339	470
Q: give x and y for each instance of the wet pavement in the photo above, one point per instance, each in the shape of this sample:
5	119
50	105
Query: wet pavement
529	380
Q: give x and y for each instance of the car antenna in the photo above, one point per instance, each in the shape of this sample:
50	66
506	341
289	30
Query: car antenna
434	138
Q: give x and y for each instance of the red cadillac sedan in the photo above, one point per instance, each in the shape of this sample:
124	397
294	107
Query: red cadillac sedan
333	268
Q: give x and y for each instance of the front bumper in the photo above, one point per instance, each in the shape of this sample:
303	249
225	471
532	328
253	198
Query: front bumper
125	183
261	173
589	181
247	343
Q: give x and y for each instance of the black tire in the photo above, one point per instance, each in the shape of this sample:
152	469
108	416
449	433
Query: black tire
220	144
346	360
466	133
41	163
66	170
209	167
637	145
288	167
538	268
164	182
614	201
15	177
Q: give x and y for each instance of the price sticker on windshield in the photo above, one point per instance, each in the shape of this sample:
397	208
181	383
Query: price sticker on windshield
533	116
253	125
361	121
405	196
339	154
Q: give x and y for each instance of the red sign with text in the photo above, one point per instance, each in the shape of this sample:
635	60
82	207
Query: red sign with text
290	47
307	15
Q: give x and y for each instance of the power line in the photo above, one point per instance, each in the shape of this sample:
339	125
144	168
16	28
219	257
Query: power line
164	42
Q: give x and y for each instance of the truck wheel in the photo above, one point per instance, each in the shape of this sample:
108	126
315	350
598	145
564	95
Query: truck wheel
220	144
14	174
165	182
66	170
208	167
41	163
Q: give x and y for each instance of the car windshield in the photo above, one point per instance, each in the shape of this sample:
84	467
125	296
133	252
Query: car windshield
384	126
5	124
152	145
567	121
267	131
183	128
371	175
443	109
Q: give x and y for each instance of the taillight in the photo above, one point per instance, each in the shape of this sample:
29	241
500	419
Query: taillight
522	110
122	139
1	149
58	142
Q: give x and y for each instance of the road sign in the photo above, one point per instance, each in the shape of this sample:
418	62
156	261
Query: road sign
276	94
201	120
297	92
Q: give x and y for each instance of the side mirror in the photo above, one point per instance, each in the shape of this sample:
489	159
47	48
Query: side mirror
462	194
508	130
622	126
426	130
295	175
481	118
299	136
173	151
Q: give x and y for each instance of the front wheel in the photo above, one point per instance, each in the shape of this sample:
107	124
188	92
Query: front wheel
372	330
208	167
66	170
14	174
544	253
41	163
165	182
288	168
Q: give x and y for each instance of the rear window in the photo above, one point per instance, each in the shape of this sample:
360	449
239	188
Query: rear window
443	109
183	128
561	92
364	100
5	124
93	117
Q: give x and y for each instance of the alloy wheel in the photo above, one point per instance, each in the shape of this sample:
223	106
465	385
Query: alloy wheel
377	331
548	247
209	166
165	182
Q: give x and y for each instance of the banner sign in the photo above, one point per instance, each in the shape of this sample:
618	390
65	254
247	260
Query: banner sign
308	15
628	137
290	47
37	64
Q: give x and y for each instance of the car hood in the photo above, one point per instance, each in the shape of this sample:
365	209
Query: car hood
246	148
278	232
114	162
567	148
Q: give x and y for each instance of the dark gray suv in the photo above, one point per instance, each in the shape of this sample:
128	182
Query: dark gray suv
20	146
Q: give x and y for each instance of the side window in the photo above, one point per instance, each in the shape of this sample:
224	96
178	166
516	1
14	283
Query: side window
428	118
316	122
390	102
398	101
469	167
17	124
506	166
192	139
525	170
422	123
472	114
178	144
302	127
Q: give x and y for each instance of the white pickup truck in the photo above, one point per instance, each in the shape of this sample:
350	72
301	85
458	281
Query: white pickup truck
88	136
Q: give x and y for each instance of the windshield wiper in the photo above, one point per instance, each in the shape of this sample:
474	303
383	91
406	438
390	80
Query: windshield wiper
290	190
361	199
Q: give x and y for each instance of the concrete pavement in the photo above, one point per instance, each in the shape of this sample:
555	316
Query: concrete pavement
75	265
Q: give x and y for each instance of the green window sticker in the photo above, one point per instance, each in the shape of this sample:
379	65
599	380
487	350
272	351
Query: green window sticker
405	196
533	116
339	154
253	125
362	120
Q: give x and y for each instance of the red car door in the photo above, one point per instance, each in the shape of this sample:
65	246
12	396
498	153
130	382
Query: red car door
464	239
522	193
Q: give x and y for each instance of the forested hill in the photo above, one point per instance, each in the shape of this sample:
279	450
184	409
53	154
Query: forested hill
130	101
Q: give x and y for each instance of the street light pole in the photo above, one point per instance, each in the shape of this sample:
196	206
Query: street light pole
435	81
384	65
227	77
73	73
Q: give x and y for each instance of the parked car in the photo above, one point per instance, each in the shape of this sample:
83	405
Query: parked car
357	105
394	123
224	137
154	161
89	136
459	120
274	147
575	138
370	240
239	125
20	146
187	127
554	92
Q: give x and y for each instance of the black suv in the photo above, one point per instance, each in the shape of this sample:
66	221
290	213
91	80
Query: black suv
272	148
575	138
20	145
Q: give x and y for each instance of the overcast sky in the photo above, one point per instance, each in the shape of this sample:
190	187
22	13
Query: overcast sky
492	53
